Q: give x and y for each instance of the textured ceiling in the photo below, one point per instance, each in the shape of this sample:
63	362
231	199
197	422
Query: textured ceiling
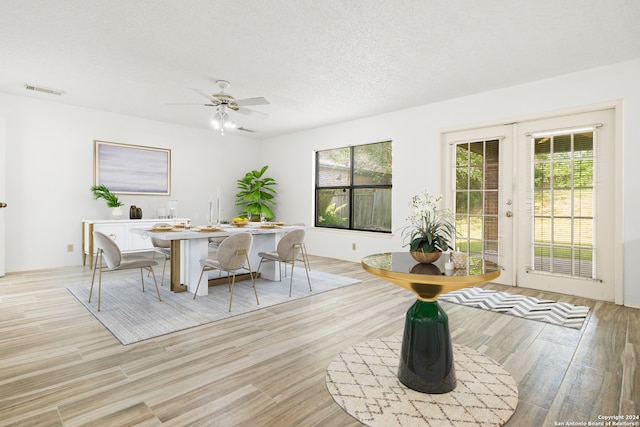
317	62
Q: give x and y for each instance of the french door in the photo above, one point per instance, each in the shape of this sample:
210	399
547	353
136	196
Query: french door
567	212
480	192
538	197
3	195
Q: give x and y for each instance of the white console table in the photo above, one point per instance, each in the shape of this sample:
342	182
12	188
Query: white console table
120	230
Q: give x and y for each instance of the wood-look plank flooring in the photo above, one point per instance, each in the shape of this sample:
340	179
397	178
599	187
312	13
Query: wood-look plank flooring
60	367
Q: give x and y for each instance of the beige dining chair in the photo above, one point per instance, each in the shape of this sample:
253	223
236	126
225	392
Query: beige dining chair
287	251
232	255
109	258
162	247
303	249
214	243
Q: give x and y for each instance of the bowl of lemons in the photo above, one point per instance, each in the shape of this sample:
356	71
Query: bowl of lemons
240	222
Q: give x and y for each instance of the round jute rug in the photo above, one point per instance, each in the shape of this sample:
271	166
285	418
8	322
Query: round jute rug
363	381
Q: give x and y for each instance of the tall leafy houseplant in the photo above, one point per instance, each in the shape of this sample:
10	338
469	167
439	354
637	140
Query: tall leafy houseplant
102	192
256	193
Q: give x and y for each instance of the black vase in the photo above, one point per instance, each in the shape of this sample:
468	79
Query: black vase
135	213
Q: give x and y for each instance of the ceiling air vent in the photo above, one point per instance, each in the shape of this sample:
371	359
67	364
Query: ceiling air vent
43	89
246	130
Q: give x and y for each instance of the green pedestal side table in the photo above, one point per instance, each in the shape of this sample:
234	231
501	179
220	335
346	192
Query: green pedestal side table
426	358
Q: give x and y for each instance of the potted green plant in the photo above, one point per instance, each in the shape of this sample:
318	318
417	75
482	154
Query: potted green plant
256	194
431	228
102	192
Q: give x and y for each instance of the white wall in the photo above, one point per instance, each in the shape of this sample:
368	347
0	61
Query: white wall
416	152
49	151
50	163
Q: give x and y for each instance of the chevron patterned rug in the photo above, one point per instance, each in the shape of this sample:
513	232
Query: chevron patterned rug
557	313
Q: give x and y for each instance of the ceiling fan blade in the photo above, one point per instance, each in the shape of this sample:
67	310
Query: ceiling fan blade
254	113
213	100
251	101
192	103
246	130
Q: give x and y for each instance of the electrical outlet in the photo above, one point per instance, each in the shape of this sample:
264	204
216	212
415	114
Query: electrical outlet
70	247
353	246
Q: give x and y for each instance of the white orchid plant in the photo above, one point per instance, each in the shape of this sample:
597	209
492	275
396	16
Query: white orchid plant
431	228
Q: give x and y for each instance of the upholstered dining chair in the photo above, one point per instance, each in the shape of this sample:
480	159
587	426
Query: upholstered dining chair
287	251
232	255
109	258
162	247
303	249
214	244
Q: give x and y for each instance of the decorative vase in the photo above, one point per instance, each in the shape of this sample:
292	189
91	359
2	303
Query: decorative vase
116	213
425	257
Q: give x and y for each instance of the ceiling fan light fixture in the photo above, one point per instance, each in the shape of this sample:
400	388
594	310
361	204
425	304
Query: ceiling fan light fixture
221	121
224	102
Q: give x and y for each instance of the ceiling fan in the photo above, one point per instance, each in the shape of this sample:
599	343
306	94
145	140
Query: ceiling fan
224	101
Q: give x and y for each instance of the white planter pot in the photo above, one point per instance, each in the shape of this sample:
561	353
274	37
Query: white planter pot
116	213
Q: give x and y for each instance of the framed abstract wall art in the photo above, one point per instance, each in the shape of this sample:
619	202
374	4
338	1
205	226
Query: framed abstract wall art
132	169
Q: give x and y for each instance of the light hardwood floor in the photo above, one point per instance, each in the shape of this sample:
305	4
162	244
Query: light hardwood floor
60	366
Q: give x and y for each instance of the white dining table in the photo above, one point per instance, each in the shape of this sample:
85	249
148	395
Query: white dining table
189	246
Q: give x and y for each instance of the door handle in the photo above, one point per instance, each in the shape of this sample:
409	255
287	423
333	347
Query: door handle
509	214
3	205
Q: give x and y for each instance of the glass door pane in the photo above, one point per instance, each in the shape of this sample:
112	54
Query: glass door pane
563	186
476	198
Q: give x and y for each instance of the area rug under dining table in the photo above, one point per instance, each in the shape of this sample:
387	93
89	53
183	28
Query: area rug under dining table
132	315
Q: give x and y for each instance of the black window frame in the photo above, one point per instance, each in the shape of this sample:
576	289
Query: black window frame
351	189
